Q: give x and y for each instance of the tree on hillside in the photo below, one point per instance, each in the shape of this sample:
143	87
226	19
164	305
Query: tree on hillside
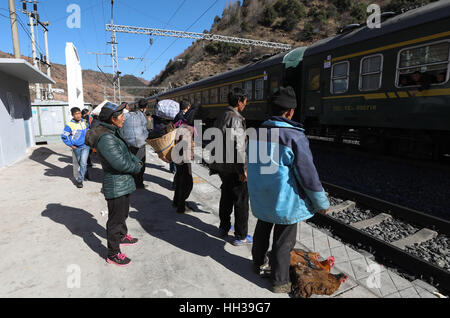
269	16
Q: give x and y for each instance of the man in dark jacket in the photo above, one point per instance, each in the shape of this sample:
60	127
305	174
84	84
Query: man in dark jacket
233	174
119	166
286	195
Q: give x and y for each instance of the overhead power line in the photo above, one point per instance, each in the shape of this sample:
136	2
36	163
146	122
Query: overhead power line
195	36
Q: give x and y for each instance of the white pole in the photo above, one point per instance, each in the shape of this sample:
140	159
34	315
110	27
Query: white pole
33	48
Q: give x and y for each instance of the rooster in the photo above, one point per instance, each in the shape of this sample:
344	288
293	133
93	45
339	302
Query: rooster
309	276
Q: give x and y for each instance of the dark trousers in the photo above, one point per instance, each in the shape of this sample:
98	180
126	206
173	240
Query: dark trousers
234	193
183	185
140	153
116	228
284	238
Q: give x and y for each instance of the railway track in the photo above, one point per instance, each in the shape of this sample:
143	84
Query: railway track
371	224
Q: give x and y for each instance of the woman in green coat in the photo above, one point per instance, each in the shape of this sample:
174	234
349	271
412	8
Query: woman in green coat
119	166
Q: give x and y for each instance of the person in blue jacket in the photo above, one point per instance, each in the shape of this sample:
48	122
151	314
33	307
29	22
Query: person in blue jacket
74	136
284	188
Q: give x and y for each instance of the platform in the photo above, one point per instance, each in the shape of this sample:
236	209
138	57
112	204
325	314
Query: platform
53	235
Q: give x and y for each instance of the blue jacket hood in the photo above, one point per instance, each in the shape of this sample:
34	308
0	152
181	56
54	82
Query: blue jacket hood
281	122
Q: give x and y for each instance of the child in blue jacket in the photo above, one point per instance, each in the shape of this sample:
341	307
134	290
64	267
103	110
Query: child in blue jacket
74	136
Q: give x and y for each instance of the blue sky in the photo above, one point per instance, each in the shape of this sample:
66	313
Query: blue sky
92	37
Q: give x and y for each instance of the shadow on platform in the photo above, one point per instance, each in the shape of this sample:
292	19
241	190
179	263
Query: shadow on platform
80	223
41	155
186	231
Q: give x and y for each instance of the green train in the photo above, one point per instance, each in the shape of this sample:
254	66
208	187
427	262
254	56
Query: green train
386	87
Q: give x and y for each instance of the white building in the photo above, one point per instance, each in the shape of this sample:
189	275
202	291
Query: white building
16	128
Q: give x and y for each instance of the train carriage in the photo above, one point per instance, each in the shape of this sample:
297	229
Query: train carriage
387	86
259	79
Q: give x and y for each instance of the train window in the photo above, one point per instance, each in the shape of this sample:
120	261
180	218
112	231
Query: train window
205	97
192	98
213	96
259	89
371	72
198	98
248	86
339	77
274	84
314	79
224	94
423	65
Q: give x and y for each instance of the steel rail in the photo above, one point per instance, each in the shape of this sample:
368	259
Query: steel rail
382	249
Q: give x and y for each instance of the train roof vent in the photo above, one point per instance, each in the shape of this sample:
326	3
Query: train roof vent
350	27
387	15
255	60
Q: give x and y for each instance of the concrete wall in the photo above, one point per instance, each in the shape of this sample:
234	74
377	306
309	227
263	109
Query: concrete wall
16	133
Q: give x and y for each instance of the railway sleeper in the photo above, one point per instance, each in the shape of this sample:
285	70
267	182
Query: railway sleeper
419	237
371	222
344	206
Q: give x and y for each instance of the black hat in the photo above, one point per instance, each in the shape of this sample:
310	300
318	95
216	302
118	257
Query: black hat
142	103
284	98
184	104
108	109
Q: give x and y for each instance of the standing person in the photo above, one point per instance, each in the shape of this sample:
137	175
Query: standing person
159	128
119	166
135	133
282	198
74	136
234	191
185	106
183	180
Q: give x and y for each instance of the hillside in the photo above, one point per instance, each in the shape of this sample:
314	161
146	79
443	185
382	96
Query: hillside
93	83
294	22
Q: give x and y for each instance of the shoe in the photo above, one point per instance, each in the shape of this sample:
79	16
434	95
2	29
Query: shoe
282	289
248	240
79	185
223	233
119	260
128	240
263	270
189	208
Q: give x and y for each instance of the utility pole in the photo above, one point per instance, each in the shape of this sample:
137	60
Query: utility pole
33	47
14	32
115	59
31	16
47	58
